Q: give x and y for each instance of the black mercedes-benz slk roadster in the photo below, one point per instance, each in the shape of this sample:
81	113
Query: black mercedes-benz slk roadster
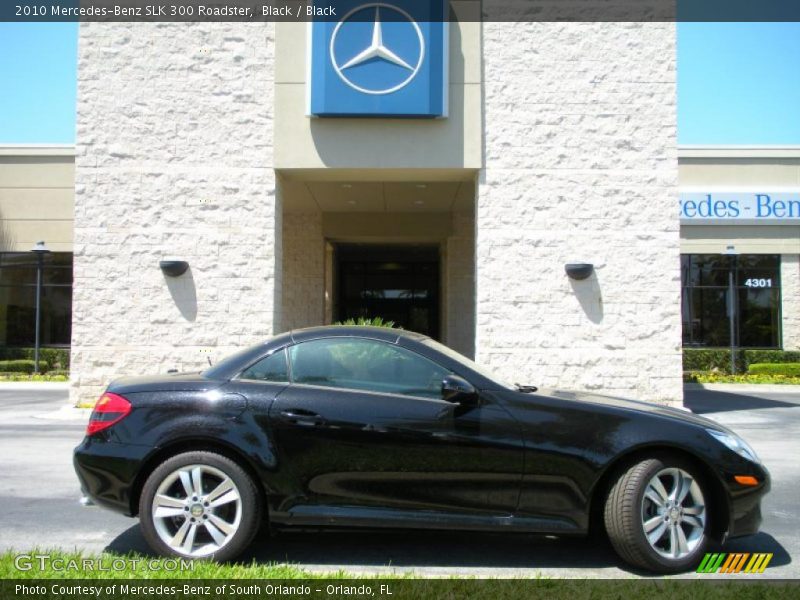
380	428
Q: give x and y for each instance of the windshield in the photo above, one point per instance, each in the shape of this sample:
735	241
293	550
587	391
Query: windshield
470	364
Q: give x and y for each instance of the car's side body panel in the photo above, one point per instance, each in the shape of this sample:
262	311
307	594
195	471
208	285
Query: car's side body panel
350	448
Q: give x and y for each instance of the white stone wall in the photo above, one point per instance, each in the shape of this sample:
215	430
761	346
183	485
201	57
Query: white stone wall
174	160
580	166
790	300
303	270
459	282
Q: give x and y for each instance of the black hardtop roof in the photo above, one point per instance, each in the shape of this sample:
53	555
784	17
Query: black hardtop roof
376	333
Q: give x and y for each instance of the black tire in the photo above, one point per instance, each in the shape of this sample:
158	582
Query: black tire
250	513
624	517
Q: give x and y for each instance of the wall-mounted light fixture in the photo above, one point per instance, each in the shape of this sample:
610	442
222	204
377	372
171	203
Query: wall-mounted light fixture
579	271
173	268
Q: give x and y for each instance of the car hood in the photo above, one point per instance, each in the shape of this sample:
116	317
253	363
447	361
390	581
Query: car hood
678	414
177	382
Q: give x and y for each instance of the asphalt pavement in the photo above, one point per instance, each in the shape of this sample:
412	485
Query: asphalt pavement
40	493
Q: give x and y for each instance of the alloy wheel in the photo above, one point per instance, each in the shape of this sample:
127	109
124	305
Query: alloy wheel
673	513
196	510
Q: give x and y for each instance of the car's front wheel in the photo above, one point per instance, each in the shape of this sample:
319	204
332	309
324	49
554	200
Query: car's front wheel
199	505
656	515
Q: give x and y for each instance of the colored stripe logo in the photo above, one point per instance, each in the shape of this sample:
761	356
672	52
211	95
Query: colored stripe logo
735	562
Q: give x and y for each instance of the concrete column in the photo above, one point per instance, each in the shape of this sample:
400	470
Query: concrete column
790	301
580	166
174	160
303	270
459	280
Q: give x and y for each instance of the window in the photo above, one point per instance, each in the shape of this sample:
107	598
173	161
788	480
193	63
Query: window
269	368
18	299
397	283
705	289
366	365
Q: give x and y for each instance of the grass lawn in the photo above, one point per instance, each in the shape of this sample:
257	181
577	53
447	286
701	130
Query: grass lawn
136	568
61	565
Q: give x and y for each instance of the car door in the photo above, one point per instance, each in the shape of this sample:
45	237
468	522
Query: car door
363	425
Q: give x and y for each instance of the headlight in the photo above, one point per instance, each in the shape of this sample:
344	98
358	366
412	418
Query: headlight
735	443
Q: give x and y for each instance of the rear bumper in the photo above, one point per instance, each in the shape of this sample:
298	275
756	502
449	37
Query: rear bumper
107	472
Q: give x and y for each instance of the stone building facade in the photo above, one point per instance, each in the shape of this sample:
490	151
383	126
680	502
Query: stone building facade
559	147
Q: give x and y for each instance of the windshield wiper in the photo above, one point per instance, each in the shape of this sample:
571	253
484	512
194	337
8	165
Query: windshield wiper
526	389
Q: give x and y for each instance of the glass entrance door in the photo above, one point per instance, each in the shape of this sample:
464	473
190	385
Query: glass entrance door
397	283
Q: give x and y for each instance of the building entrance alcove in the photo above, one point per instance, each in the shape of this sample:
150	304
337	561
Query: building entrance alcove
394	244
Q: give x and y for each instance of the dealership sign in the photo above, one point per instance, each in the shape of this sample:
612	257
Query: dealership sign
380	60
744	208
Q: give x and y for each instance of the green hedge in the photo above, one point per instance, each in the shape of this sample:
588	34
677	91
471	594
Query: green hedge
771	356
57	357
787	369
719	359
702	359
21	366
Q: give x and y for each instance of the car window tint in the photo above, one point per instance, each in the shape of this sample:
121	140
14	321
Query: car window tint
366	365
270	368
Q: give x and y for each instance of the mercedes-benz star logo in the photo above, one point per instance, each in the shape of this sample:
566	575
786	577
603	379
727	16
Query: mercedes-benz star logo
377	50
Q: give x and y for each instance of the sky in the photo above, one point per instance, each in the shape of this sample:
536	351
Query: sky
738	83
38	64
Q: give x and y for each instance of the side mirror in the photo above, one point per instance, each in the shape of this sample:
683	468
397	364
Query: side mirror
458	390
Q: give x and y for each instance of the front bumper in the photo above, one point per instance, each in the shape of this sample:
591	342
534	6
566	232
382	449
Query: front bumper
745	503
108	472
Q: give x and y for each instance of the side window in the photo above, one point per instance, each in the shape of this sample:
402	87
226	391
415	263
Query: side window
366	365
269	368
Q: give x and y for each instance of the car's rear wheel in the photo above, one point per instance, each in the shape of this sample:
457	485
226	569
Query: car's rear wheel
656	515
199	505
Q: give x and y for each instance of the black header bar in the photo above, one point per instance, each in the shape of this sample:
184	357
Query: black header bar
246	11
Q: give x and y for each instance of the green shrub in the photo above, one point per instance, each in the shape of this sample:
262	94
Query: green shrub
691	376
758	379
771	356
21	366
785	369
49	376
707	359
717	377
53	356
719	359
373	322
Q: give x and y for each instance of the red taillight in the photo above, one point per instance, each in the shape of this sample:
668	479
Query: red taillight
110	409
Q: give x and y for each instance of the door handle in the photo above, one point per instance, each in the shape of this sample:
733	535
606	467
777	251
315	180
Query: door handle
299	416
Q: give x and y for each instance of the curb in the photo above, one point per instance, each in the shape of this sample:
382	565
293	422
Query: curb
744	388
67	412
